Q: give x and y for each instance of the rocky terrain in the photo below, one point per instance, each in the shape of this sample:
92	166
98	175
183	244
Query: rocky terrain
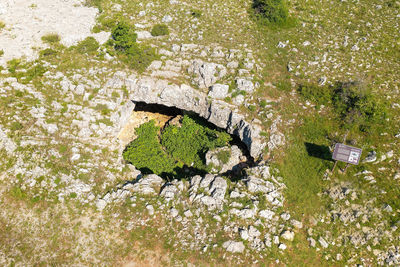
68	197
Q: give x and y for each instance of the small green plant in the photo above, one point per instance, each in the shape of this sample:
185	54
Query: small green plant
1	52
51	38
15	126
48	52
13	65
252	108
224	156
88	46
2	25
196	13
103	109
284	86
263	103
159	30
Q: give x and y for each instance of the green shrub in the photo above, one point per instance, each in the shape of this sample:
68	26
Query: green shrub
140	57
2	25
357	107
190	142
272	11
36	71
252	108
88	46
159	30
123	37
123	42
263	103
51	38
224	156
284	85
15	126
1	52
318	94
146	153
13	65
48	52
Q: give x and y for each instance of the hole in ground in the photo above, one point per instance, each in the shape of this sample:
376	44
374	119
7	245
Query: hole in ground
163	116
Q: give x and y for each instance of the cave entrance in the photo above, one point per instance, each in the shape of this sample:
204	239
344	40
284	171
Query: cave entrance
216	160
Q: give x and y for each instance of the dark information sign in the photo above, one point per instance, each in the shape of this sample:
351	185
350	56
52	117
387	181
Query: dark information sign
347	154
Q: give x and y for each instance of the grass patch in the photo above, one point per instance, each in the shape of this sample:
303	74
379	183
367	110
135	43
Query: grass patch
88	46
159	30
51	38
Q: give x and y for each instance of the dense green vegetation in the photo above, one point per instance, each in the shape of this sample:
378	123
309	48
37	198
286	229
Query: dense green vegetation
190	142
123	44
355	105
179	146
273	12
159	30
146	152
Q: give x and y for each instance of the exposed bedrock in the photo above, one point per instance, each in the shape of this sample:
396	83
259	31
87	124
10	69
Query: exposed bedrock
221	114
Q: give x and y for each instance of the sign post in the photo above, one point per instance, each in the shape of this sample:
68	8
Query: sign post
348	154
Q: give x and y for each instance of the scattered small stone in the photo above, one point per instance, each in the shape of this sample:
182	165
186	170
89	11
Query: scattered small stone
323	243
233	246
150	209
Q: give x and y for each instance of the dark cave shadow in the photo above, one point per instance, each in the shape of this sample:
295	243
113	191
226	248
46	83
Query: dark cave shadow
318	151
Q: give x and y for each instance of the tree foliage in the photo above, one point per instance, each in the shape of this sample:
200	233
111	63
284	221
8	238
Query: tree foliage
179	146
146	153
190	142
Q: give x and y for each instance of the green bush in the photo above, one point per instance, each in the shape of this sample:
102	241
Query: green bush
357	107
159	30
124	44
140	57
124	37
1	52
2	25
51	38
48	52
224	156
88	46
179	146
146	153
272	11
317	94
190	142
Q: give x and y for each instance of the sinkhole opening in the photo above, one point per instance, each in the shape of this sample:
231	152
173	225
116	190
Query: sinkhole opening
176	144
